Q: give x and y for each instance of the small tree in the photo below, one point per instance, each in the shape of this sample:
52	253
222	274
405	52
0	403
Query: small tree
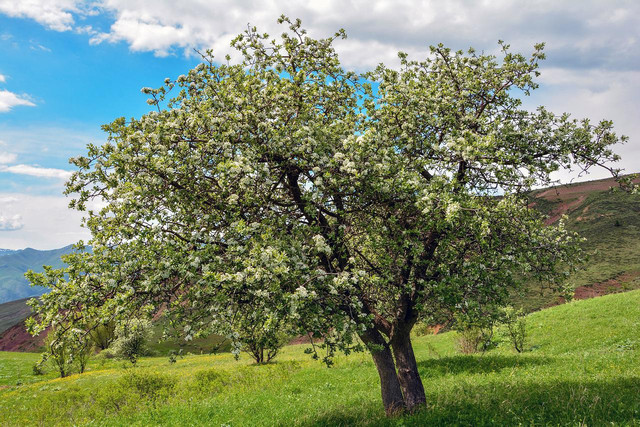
262	340
59	352
516	325
132	339
288	180
82	352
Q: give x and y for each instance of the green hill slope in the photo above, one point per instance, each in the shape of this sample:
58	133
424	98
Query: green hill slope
13	312
13	285
582	367
609	220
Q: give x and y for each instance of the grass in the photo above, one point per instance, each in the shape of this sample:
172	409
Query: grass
582	367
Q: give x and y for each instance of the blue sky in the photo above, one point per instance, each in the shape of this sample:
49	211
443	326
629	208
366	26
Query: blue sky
69	66
73	88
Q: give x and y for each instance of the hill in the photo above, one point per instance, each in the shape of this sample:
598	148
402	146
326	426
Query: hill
609	220
13	265
14	337
581	367
12	313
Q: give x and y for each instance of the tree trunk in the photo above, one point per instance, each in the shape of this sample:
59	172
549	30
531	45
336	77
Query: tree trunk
408	375
390	387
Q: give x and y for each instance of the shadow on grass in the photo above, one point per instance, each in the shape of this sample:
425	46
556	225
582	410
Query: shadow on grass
509	401
477	364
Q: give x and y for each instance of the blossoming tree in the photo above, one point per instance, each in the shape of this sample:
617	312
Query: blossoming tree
348	206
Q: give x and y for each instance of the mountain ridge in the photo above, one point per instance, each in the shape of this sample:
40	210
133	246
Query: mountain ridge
13	265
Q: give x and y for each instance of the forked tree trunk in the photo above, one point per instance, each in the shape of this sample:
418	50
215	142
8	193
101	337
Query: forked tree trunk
389	385
408	375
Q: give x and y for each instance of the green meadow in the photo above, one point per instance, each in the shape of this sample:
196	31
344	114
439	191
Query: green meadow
581	367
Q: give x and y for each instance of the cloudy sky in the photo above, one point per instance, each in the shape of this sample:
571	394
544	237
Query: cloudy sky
67	67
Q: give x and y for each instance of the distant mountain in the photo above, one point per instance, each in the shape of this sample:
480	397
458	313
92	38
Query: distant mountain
13	265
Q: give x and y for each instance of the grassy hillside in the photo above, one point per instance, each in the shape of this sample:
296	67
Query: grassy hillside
13	285
609	220
582	368
13	312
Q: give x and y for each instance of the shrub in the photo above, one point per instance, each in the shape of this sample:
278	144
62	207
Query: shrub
265	346
103	334
37	369
108	353
173	356
421	329
149	385
426	328
82	352
474	339
259	335
475	334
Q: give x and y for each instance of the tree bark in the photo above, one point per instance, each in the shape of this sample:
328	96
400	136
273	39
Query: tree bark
408	375
389	385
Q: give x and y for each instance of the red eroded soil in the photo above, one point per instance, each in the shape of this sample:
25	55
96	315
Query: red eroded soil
611	286
571	196
16	338
565	192
563	209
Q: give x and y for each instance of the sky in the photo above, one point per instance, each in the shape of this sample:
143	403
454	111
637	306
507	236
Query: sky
67	67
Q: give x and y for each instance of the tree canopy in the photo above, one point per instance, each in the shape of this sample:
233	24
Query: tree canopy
349	206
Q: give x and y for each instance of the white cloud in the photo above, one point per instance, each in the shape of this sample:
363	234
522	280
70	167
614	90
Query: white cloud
33	45
3	78
596	95
54	14
49	144
7	158
379	29
47	222
8	100
586	33
11	223
37	171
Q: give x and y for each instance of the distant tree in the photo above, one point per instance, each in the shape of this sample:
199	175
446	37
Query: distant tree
103	334
132	339
286	184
